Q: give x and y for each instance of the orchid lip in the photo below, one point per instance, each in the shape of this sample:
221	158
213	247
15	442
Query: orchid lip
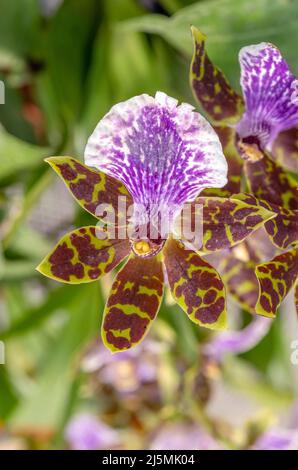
146	241
249	148
146	248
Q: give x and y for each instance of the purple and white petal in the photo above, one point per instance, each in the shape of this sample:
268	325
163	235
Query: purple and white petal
269	90
237	342
165	154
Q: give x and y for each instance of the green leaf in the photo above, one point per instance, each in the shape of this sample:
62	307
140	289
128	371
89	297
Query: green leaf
17	155
15	271
19	25
8	395
32	196
48	400
32	318
240	374
68	46
134	68
29	243
12	113
229	25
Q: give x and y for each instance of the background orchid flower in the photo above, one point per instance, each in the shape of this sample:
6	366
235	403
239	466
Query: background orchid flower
267	115
151	151
177	437
258	275
127	372
269	95
261	128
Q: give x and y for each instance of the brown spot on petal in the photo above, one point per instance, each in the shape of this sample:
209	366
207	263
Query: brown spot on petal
195	285
133	303
119	321
67	172
210	315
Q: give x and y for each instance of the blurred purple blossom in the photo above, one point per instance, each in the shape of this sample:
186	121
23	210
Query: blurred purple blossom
183	437
127	370
237	342
278	439
86	432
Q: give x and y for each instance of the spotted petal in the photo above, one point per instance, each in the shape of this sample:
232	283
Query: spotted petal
164	154
91	188
195	285
241	281
277	192
82	256
282	229
133	303
258	247
210	87
269	94
276	278
260	289
237	268
229	221
267	180
285	149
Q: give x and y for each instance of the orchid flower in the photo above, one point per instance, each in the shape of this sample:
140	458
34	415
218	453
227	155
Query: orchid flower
259	136
157	154
266	118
